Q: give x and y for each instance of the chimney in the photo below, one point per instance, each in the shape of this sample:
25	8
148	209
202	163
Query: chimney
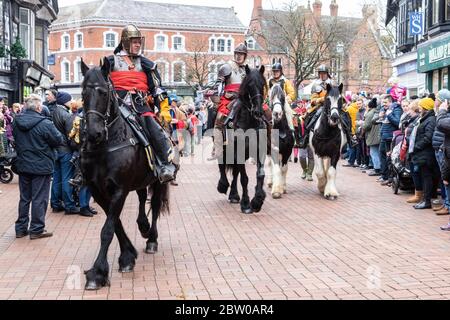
334	8
370	14
257	8
317	8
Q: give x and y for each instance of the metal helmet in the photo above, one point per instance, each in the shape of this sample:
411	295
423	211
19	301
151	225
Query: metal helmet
241	48
277	67
324	68
128	33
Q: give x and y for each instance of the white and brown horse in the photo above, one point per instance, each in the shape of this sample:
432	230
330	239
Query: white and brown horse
282	141
327	140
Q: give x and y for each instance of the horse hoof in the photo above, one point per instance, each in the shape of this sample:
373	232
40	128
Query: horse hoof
91	286
151	248
285	192
222	187
276	195
127	269
234	200
331	198
247	211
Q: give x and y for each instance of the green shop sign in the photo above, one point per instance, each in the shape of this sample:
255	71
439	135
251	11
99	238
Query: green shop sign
435	55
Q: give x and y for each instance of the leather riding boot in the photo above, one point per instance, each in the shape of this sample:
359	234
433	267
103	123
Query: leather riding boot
218	137
161	145
312	123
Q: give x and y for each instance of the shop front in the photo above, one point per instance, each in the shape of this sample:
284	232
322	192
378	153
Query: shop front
433	59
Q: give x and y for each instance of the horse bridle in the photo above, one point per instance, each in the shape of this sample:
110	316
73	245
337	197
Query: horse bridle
335	108
251	101
104	117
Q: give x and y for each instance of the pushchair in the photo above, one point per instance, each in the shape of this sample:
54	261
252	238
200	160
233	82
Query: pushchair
6	174
399	172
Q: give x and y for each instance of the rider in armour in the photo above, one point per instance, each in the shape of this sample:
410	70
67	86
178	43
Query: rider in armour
318	94
227	86
137	83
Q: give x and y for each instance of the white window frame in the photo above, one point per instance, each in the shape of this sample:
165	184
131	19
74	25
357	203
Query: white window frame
251	43
183	72
75	42
63	42
224	45
212	48
31	33
75	71
63	73
164	78
183	43
116	39
166	42
229	49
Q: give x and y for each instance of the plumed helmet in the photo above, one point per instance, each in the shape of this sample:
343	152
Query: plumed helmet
277	67
128	33
241	48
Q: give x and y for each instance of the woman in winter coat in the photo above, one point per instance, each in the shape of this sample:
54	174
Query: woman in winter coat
423	151
372	130
409	122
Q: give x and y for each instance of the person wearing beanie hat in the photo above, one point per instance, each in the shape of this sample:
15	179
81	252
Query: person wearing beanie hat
61	194
426	104
63	98
372	130
443	95
422	151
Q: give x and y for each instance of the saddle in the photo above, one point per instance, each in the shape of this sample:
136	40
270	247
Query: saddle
134	121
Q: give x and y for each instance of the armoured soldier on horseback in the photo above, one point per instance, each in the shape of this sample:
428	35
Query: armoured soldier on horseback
137	83
226	89
318	94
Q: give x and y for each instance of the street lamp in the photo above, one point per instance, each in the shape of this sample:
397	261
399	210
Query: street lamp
340	51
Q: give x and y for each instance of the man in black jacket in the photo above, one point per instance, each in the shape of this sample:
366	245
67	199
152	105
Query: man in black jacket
35	137
61	198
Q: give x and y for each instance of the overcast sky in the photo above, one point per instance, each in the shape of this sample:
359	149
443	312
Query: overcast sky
243	8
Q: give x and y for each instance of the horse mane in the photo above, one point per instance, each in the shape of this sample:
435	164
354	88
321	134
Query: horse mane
277	91
89	75
253	78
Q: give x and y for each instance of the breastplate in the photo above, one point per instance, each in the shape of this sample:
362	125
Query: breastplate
237	75
120	64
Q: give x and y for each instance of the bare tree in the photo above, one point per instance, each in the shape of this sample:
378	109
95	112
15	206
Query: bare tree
197	64
303	39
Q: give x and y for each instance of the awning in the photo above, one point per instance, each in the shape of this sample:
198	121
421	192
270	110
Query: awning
36	75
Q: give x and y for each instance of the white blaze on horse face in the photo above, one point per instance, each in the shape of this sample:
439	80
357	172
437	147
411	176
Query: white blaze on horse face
277	111
334	106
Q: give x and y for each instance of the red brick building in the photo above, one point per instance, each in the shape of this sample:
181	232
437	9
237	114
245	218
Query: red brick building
173	33
358	58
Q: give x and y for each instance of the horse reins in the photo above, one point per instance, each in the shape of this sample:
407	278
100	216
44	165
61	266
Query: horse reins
105	117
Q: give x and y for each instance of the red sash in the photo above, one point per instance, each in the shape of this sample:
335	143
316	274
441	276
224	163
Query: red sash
129	80
224	102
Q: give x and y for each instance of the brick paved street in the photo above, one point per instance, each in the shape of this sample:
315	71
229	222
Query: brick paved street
367	245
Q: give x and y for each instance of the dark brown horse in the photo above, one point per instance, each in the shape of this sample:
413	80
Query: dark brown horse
248	138
113	164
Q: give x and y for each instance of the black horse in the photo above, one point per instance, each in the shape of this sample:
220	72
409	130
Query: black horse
282	141
327	140
113	164
247	139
